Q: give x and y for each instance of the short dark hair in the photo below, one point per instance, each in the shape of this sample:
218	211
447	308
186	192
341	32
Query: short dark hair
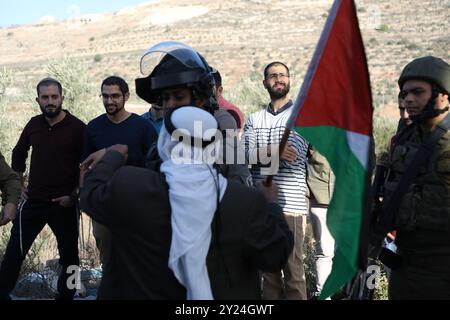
274	63
117	81
47	82
217	78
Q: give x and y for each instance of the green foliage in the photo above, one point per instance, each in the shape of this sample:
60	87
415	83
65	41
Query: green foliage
412	46
381	293
383	130
383	27
6	80
373	41
403	41
80	94
9	122
4	237
9	131
98	57
249	96
385	92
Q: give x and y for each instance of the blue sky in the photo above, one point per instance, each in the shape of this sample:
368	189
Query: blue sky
16	12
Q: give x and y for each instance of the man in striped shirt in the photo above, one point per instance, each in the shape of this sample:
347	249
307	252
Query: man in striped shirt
262	134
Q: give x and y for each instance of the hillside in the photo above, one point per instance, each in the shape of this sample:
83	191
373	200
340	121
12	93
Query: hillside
238	37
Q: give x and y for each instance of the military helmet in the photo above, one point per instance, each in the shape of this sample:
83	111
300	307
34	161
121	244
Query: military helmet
430	69
172	64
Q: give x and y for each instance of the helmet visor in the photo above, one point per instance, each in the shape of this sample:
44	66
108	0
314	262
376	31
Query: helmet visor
180	51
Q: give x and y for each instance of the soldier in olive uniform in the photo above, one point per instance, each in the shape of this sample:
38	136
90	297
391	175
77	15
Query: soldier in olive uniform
10	189
423	218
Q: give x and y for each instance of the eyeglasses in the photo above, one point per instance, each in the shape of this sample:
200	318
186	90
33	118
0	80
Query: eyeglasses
114	96
275	76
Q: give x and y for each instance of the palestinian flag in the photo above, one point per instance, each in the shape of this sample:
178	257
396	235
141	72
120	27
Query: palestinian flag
334	113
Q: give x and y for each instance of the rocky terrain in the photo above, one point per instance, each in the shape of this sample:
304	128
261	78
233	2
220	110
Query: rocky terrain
238	37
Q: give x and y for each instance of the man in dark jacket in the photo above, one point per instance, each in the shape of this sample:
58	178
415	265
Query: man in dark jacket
56	139
186	232
116	125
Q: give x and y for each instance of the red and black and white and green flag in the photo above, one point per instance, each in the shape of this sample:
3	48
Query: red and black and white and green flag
334	113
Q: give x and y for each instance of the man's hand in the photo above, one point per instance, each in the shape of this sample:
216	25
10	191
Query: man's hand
270	192
89	163
64	201
289	153
95	157
8	213
92	159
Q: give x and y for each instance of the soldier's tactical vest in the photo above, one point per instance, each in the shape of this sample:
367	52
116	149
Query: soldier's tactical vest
426	204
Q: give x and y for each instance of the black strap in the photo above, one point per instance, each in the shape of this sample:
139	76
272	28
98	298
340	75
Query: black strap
216	227
390	208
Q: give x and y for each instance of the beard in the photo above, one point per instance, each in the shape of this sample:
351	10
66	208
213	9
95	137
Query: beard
51	114
113	111
279	93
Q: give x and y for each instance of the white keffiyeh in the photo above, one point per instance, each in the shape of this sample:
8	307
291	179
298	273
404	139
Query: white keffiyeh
193	189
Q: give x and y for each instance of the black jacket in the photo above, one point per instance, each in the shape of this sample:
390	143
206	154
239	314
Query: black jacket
247	235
